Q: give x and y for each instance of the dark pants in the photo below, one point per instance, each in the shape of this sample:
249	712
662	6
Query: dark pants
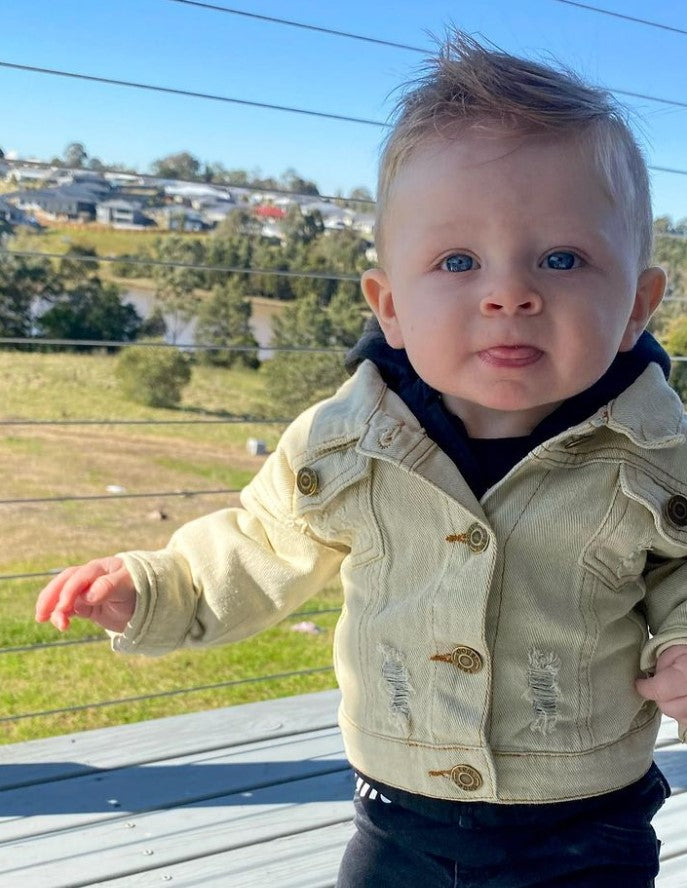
605	842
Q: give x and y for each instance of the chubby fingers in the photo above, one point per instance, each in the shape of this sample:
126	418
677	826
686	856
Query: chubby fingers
668	687
50	595
64	594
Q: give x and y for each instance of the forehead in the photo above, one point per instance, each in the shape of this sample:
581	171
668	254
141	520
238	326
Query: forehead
480	172
475	157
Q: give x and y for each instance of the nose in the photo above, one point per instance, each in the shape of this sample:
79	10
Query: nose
511	297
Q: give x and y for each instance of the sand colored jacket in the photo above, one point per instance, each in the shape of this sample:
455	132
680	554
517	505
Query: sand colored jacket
487	650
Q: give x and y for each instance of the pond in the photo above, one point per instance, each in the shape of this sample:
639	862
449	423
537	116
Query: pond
264	312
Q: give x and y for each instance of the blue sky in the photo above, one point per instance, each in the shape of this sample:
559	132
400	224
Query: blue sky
171	44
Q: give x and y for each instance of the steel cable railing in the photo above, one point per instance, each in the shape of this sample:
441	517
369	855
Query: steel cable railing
20	502
16	718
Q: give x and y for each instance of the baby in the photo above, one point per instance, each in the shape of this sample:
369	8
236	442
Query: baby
502	487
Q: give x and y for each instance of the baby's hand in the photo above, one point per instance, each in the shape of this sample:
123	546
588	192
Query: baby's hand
668	686
101	590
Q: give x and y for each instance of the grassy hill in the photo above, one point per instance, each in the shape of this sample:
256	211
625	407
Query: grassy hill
39	461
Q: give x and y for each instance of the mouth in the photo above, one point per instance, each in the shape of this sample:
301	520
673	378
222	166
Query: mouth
510	355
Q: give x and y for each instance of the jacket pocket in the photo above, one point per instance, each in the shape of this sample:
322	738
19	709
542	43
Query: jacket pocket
666	503
323	475
332	495
616	551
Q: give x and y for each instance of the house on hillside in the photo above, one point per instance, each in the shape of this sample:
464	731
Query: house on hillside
76	202
215	212
194	193
31	174
334	218
269	211
12	215
176	217
364	223
123	212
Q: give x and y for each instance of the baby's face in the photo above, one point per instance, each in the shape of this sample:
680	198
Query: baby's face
509	277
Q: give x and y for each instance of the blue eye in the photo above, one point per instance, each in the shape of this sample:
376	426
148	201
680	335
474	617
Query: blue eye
459	262
562	260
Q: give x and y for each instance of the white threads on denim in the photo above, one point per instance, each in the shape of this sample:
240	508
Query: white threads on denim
543	691
397	680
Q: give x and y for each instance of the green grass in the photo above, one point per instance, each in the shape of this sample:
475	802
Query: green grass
49	461
105	241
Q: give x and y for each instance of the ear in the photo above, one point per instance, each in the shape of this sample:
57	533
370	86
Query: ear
377	292
651	285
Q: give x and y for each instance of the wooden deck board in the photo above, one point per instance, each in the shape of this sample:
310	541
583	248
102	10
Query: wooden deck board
238	797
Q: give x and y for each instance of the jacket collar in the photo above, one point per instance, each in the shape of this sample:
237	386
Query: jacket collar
648	412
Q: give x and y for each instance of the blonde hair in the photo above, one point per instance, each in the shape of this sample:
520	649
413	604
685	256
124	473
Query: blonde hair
466	86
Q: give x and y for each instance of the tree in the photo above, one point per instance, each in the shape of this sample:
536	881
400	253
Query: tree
228	248
298	378
181	165
153	375
270	256
292	181
299	228
75	155
83	307
360	200
175	285
23	282
224	320
91	310
345	315
675	342
77	265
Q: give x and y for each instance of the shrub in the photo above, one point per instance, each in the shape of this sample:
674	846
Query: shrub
674	341
152	375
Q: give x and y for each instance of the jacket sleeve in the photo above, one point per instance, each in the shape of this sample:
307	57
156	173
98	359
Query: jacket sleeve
666	612
229	574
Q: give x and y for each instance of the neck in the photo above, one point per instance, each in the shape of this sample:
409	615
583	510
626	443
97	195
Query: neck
483	422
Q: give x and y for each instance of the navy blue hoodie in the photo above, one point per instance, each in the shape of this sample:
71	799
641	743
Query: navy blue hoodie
484	461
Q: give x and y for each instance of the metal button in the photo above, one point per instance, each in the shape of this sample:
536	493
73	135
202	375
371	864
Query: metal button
478	538
676	510
466	778
307	481
466	659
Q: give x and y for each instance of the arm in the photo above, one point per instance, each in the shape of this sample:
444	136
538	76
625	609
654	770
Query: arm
222	577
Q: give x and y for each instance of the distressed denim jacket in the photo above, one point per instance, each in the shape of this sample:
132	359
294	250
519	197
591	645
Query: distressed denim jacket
486	650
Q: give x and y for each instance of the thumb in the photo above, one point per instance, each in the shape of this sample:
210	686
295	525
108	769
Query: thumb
646	687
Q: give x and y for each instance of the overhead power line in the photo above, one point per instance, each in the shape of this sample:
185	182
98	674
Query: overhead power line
264	105
55	72
308	27
620	15
279	21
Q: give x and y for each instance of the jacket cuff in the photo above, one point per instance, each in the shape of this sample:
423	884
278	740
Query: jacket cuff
653	649
164	610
